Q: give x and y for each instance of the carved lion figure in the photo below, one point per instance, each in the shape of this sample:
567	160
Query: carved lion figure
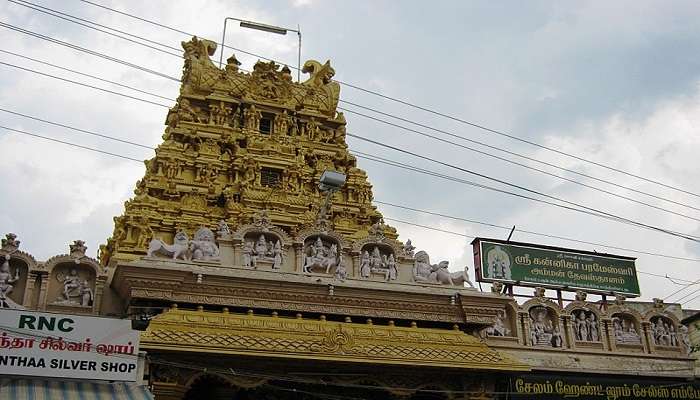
176	250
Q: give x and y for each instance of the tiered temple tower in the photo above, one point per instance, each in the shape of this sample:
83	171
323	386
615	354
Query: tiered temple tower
237	143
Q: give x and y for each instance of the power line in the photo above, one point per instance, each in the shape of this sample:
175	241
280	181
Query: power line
434	137
86	75
77	129
425	126
88	51
71	144
84	84
471	221
594	211
418	107
386	218
582	208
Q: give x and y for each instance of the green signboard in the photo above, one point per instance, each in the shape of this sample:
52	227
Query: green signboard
534	265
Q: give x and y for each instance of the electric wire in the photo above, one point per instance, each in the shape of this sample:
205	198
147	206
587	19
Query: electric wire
84	84
87	75
507	160
581	208
386	218
383	161
513	154
415	106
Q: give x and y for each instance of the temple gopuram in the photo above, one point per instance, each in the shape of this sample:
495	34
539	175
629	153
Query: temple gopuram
252	281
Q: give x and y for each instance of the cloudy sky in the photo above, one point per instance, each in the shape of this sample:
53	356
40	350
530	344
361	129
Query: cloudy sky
617	83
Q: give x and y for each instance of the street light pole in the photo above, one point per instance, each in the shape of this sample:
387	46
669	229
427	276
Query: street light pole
262	27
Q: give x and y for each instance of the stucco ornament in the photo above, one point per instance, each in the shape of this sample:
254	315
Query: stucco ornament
499	327
6	281
177	250
77	291
378	263
321	256
543	330
586	326
663	332
624	330
203	247
424	272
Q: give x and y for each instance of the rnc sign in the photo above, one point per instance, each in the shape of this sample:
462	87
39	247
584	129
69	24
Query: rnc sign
67	346
535	265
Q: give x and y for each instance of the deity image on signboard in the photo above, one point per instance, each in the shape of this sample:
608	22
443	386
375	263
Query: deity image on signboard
498	264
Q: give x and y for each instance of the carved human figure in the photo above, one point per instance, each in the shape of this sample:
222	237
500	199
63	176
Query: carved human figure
86	295
278	256
499	327
261	246
685	339
408	248
625	332
341	273
365	268
543	331
203	246
593	328
392	272
6	287
673	335
248	254
376	259
321	257
70	283
581	326
661	333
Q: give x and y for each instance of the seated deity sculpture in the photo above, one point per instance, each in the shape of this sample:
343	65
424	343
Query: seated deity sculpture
624	331
320	256
203	247
6	285
378	263
263	250
178	249
77	291
543	332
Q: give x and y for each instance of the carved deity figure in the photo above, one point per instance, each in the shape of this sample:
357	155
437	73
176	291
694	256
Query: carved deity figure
581	329
661	334
6	287
277	256
86	295
76	290
409	248
392	272
70	283
320	256
365	268
543	332
499	327
248	254
593	328
685	339
624	331
261	247
203	247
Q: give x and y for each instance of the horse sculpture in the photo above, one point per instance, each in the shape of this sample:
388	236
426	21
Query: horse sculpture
321	258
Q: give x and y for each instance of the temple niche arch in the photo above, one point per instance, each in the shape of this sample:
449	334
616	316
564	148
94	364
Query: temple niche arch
378	261
263	245
584	323
666	333
74	283
17	274
322	252
627	329
541	321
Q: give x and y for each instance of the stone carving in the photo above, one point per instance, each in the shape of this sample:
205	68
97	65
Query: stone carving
586	327
223	230
341	273
424	272
684	339
408	248
10	242
543	330
176	250
321	75
203	247
663	332
6	281
624	330
499	327
497	288
378	263
78	248
264	250
77	291
319	255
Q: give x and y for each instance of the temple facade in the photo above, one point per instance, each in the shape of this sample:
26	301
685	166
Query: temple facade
251	281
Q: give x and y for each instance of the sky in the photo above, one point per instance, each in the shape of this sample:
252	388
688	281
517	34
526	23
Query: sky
617	83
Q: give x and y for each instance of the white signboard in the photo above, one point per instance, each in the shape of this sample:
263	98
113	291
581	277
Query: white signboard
67	346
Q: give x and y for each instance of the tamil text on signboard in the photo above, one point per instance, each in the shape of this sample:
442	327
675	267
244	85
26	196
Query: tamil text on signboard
530	264
67	346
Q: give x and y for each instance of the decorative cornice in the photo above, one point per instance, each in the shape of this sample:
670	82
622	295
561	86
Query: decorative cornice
223	333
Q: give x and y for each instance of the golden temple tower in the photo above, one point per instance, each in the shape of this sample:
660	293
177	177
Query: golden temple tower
237	143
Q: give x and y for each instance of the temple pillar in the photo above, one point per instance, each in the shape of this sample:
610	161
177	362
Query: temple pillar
43	292
647	341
